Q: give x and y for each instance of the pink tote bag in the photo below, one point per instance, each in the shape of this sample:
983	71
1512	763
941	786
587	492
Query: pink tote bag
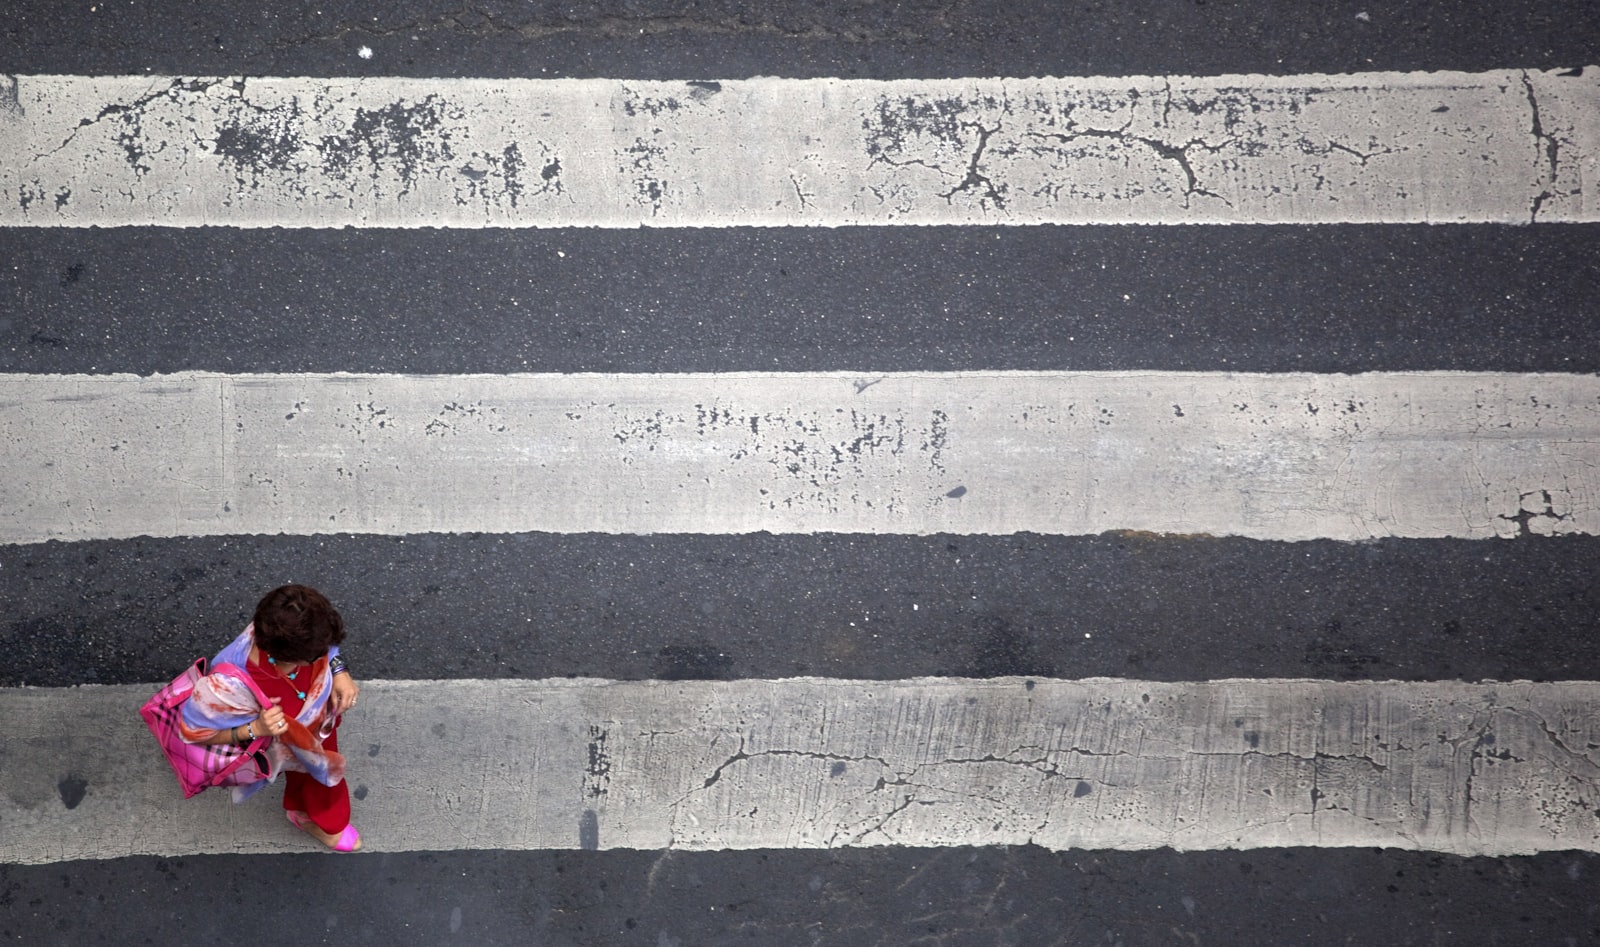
201	767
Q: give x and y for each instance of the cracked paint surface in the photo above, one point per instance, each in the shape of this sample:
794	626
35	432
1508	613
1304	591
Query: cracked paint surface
1469	769
1512	146
1281	457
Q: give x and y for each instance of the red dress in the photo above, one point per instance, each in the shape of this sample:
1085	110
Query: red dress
328	806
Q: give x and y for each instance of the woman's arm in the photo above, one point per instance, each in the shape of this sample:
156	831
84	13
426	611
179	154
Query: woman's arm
235	736
270	723
345	688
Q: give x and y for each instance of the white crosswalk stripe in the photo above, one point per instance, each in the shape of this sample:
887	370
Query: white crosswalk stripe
1285	457
1508	147
1472	769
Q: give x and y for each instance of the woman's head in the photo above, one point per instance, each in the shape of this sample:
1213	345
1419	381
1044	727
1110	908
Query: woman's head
297	623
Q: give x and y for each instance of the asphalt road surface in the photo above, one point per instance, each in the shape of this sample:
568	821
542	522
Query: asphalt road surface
1392	846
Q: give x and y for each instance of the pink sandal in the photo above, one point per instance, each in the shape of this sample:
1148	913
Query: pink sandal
348	840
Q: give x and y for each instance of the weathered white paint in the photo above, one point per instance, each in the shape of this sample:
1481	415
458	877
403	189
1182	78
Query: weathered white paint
1471	769
1286	457
1507	146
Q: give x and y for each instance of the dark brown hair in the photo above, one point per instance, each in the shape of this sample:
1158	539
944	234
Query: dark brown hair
297	623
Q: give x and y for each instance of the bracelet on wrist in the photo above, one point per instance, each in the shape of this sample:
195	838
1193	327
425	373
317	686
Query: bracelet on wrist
337	666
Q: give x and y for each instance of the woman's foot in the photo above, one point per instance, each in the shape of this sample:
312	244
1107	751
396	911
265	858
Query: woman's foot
348	840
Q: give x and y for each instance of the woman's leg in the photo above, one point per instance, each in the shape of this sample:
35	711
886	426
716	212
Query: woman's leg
293	789
328	806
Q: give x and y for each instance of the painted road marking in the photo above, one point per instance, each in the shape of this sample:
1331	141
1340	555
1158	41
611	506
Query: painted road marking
1280	457
1511	146
1470	769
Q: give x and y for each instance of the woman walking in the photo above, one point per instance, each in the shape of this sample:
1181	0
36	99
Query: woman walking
283	679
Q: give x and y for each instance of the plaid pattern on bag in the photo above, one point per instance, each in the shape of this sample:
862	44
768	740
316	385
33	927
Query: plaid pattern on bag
197	766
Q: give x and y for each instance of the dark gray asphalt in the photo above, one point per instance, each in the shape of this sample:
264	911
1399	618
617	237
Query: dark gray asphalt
1260	299
725	39
632	607
1324	299
993	896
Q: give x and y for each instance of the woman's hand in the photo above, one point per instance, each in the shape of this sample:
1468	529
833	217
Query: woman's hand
344	693
271	723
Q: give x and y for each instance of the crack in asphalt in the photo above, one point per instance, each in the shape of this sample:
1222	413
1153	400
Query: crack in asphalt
974	178
138	105
1552	149
1178	154
1364	157
1524	517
